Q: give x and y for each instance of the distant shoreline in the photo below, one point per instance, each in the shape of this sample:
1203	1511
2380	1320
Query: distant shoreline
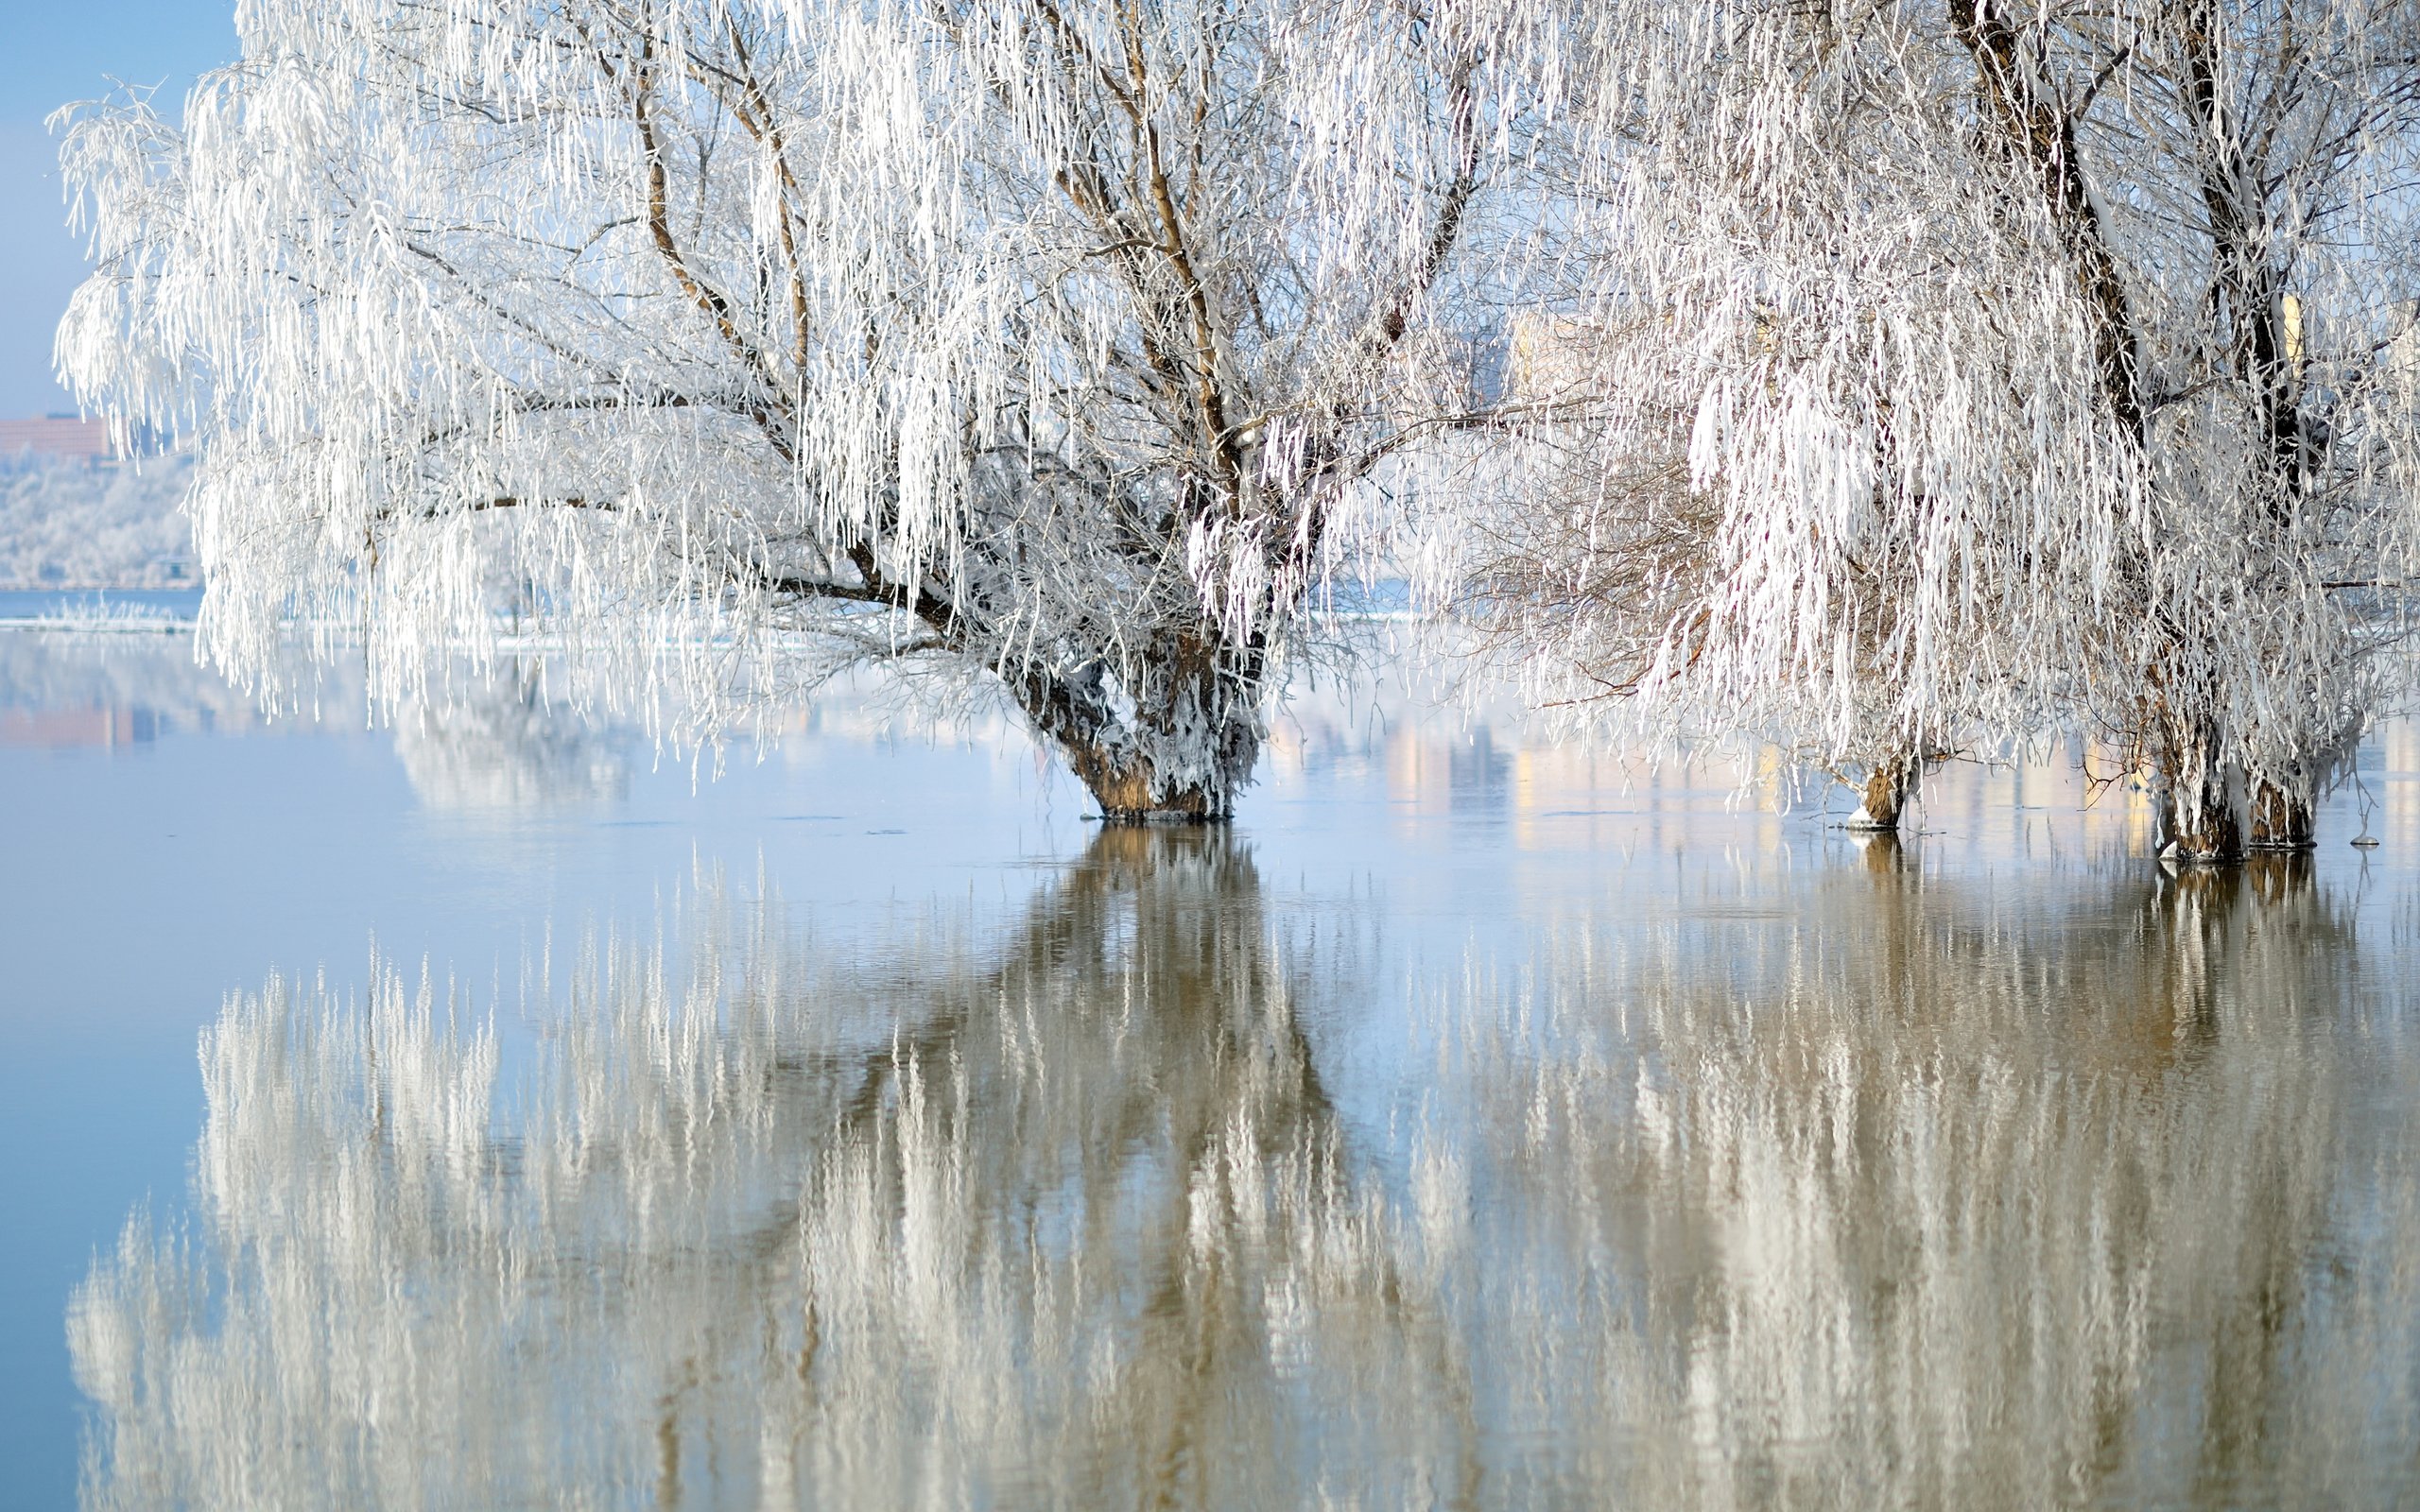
129	627
52	608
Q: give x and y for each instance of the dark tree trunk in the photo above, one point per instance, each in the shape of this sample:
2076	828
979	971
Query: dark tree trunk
2197	790
2281	820
1890	784
2207	832
2203	820
1176	750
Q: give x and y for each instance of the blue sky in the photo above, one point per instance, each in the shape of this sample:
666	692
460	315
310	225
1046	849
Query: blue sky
56	51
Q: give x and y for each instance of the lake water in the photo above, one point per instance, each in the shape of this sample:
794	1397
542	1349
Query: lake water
484	1112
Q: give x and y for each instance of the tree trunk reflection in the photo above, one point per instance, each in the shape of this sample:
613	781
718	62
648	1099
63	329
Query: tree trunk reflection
1898	1189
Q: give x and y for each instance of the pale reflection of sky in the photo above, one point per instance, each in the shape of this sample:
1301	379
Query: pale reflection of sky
160	848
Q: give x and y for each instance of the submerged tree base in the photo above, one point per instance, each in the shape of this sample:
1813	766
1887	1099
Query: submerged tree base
1890	784
2216	843
1164	818
2281	821
2275	822
1126	796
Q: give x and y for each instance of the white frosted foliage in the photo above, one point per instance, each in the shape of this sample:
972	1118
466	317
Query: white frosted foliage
1910	377
740	342
1876	380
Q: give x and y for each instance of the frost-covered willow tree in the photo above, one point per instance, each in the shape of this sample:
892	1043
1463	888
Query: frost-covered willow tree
1939	370
742	339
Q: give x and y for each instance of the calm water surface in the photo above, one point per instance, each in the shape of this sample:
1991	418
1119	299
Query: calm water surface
53	603
1474	1124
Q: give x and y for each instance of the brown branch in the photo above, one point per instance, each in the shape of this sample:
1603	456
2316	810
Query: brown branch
2043	136
1463	111
1208	397
1072	44
2262	345
759	122
936	612
708	300
513	502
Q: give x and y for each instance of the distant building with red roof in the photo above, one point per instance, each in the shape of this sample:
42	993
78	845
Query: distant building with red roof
63	438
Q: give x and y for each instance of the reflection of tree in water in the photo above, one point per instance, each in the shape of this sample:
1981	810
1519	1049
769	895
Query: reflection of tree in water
1909	1198
498	741
1922	1199
1063	1232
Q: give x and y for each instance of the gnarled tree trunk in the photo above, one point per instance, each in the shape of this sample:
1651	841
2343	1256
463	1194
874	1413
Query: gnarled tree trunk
2281	819
2200	803
2208	829
1175	748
